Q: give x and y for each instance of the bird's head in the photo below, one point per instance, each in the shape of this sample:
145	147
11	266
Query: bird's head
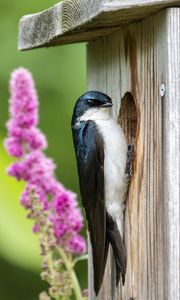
92	105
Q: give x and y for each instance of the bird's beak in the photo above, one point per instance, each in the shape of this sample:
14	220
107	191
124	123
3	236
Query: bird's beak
107	104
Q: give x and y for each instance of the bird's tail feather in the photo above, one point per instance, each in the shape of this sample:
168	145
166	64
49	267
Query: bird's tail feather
119	252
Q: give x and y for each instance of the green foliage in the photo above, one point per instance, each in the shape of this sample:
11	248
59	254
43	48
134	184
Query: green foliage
60	78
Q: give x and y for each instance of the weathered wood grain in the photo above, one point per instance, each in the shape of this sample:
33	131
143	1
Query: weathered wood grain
171	158
138	59
73	21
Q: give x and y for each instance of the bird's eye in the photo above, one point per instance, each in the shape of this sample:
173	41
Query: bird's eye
90	101
94	102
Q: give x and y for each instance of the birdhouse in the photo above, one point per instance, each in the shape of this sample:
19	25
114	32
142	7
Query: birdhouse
133	55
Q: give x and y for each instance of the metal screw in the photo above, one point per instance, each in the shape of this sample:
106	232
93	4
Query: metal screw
162	90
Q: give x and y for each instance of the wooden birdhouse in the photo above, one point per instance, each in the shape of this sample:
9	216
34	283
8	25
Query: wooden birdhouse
133	55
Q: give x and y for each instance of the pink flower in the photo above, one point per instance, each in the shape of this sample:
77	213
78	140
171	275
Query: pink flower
16	170
35	139
66	216
64	202
34	168
77	245
76	220
85	293
36	228
25	199
23	101
13	147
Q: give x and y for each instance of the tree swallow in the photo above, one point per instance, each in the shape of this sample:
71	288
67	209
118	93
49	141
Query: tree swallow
101	153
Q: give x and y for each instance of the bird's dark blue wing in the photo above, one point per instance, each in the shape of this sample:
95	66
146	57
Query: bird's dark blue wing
89	150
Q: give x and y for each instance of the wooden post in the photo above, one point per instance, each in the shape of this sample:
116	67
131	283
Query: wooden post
137	63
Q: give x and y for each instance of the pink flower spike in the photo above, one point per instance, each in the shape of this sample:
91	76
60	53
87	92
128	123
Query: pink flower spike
26	143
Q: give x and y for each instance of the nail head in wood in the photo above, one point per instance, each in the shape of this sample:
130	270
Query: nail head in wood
162	90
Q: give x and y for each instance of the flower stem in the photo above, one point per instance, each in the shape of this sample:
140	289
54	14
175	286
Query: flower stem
69	267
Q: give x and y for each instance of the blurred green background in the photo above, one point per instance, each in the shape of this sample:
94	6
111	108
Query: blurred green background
60	77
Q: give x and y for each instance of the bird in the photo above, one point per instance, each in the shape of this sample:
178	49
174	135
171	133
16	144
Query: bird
101	154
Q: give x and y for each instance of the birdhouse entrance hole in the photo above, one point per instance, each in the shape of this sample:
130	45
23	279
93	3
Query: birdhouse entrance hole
128	120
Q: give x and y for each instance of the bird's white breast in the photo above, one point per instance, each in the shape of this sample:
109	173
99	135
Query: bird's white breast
114	169
115	150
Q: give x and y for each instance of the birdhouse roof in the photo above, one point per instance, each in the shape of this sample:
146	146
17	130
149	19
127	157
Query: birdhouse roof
73	21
